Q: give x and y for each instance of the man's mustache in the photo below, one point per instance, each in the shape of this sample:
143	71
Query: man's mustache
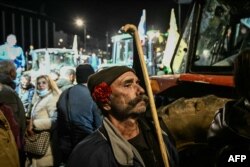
138	99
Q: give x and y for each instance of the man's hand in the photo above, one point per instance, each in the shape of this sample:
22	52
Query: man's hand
29	129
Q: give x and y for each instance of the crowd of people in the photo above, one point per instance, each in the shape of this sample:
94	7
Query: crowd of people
98	119
41	106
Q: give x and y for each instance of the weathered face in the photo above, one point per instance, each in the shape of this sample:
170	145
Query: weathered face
128	98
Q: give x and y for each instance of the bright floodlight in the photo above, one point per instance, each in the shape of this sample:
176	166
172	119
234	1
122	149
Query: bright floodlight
79	22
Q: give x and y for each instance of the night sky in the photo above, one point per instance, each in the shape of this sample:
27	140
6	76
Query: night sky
103	16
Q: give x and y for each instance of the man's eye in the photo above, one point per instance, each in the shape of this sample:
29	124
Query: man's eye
126	85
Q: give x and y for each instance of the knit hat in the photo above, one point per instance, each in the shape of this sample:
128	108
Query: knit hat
83	71
108	75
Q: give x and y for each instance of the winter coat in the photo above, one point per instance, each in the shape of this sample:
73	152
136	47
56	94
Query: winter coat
9	152
9	96
44	115
97	151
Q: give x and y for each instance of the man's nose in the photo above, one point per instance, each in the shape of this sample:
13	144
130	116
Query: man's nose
140	90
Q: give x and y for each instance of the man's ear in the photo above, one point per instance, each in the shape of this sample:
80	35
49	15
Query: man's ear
72	77
106	107
13	74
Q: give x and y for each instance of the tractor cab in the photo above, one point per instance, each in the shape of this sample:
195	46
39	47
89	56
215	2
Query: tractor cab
123	50
214	32
201	78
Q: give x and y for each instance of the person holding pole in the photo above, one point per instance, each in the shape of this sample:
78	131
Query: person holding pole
127	137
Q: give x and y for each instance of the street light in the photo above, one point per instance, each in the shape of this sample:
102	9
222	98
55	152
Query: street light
80	23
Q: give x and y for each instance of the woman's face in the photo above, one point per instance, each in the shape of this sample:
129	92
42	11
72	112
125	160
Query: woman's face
42	84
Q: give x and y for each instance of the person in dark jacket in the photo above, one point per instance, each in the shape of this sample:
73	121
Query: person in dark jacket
126	137
230	129
78	114
9	97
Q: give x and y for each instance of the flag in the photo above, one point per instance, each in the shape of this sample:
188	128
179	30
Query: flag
173	37
137	65
142	27
74	48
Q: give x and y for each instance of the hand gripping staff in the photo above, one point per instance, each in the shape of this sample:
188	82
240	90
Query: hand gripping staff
129	28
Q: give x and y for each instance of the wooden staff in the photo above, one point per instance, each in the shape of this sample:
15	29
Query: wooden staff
129	28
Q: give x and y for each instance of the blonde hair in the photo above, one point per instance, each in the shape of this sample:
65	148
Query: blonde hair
52	84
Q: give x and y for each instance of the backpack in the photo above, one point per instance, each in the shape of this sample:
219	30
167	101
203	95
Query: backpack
69	134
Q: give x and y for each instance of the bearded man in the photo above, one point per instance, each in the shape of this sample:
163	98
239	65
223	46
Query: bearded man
126	137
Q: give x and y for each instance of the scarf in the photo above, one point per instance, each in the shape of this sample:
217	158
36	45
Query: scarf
124	152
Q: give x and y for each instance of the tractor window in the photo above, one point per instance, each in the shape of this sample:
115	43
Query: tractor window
60	59
38	60
222	51
214	29
54	59
211	39
123	51
220	37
